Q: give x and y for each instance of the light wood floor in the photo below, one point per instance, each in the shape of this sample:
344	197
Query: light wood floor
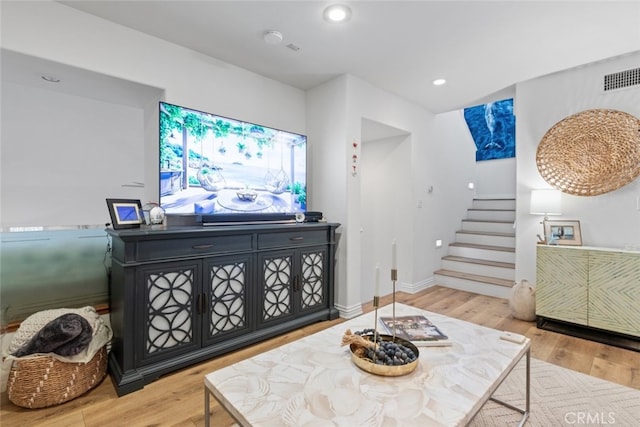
178	399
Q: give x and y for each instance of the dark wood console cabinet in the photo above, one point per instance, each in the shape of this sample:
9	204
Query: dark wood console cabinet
181	295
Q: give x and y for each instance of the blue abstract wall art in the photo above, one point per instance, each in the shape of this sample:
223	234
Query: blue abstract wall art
493	128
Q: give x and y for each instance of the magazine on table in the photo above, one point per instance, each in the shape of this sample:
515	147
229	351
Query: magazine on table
417	329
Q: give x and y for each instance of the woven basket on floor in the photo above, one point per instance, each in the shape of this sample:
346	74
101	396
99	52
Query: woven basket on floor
38	382
591	153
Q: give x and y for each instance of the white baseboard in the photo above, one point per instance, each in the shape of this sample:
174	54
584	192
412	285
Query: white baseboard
480	288
410	288
349	312
414	288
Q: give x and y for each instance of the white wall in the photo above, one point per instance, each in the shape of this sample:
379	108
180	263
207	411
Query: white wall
410	187
608	220
367	101
62	155
417	162
385	198
455	168
496	178
52	31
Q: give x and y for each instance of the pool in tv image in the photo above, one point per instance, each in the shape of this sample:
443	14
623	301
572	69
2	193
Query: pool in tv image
216	165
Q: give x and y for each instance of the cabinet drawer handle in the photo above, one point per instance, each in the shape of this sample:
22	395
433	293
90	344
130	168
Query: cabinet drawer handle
202	246
296	238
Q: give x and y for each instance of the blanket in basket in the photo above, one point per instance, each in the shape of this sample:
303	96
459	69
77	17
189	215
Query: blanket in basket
78	334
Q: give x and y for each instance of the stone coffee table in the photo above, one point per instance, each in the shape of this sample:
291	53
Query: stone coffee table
313	381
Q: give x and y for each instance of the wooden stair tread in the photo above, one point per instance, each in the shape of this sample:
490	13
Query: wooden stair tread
488	220
491	209
492	218
486	233
475	278
487	247
480	261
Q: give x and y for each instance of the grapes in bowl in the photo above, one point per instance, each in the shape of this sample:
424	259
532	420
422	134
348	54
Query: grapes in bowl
385	355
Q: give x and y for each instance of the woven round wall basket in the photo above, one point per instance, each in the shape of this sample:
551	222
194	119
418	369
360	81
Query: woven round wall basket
591	153
41	381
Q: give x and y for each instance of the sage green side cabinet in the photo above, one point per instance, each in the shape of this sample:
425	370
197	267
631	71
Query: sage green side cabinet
597	288
614	291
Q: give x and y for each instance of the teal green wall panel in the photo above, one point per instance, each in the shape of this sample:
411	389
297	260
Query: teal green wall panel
52	269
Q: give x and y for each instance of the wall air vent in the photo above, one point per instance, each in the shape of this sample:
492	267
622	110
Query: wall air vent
622	79
293	47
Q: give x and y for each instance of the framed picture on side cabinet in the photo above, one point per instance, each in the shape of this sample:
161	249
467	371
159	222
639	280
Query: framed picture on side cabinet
563	233
125	213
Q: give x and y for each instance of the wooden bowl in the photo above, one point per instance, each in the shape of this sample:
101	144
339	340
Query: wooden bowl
368	365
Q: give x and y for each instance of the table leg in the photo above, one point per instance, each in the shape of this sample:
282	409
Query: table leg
524	412
528	392
207	415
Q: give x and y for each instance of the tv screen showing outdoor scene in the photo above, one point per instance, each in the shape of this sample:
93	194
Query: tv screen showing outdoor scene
213	165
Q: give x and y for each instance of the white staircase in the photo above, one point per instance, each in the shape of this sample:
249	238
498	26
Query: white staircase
482	259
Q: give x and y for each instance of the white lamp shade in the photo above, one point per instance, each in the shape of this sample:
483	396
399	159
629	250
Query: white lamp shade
546	202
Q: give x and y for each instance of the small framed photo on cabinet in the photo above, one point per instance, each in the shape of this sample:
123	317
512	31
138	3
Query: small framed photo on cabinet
563	233
125	213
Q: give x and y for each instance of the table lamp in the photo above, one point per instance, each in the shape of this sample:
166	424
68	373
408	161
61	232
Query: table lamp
545	202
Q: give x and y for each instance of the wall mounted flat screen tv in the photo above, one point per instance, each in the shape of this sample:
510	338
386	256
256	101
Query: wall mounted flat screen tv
228	170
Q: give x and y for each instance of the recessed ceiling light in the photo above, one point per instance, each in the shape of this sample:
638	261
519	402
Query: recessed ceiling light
439	82
337	13
50	79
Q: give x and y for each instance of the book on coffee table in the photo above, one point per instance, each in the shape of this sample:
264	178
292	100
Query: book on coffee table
417	329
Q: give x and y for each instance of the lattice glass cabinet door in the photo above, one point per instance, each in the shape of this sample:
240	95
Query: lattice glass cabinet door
277	285
228	306
292	282
313	292
168	310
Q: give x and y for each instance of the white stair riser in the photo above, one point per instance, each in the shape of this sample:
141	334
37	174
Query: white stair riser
488	216
479	269
491	215
486	239
471	286
494	204
500	256
490	227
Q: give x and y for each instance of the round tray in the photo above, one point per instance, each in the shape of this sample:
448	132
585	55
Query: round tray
368	365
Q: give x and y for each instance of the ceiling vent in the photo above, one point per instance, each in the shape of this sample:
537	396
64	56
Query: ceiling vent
622	79
293	47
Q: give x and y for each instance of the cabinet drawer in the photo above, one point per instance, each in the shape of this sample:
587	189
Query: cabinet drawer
159	249
293	238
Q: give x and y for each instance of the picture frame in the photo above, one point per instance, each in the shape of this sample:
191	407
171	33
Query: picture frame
565	232
125	213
